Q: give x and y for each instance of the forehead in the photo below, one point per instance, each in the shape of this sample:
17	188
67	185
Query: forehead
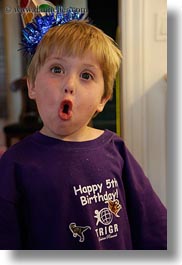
65	48
88	57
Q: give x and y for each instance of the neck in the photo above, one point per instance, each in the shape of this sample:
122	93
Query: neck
85	134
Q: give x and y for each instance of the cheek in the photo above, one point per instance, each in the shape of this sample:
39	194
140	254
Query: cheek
89	106
47	94
47	103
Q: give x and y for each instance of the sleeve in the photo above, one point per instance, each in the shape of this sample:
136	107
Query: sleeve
9	224
147	215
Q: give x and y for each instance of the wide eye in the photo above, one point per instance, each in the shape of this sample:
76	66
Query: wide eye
57	70
86	76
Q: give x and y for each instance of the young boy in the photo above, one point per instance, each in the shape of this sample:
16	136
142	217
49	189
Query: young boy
71	186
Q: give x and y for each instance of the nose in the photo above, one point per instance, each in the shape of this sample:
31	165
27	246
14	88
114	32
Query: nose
68	90
70	84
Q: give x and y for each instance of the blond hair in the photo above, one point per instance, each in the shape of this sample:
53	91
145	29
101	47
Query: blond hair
75	39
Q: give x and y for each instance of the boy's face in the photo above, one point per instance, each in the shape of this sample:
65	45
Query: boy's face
68	91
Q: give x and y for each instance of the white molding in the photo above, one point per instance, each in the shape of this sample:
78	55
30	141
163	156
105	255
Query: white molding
132	21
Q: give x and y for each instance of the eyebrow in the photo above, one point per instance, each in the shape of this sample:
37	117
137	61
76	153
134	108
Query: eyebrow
56	58
90	65
62	59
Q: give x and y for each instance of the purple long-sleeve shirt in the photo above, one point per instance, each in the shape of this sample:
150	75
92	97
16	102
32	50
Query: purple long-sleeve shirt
77	195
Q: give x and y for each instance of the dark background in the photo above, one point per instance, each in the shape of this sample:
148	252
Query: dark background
104	14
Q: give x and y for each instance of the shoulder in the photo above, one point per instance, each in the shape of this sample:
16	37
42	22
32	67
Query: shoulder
114	139
18	149
94	134
113	144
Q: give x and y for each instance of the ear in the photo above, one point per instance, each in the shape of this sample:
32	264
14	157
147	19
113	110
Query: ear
102	104
31	89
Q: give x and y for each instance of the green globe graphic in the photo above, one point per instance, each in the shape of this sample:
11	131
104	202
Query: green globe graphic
106	216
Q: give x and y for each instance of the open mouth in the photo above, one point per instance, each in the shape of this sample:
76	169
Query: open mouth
65	110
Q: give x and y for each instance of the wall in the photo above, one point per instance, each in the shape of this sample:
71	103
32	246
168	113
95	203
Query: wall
13	62
13	57
143	42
